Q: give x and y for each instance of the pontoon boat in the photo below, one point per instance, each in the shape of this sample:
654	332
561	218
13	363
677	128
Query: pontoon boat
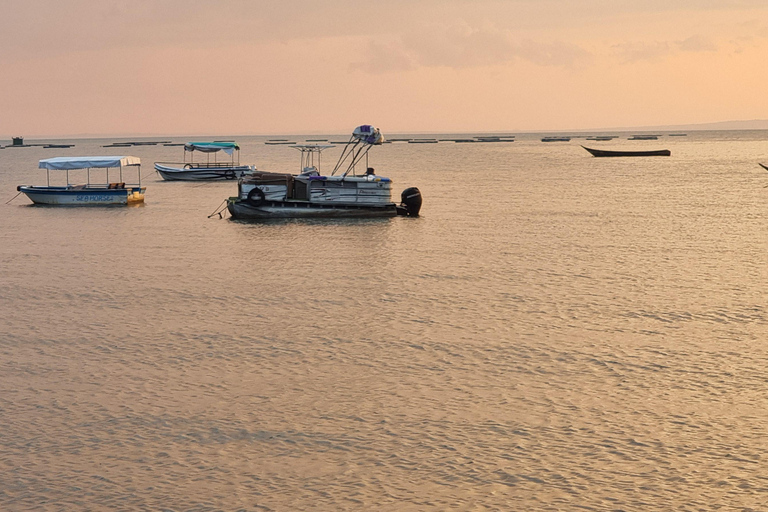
344	193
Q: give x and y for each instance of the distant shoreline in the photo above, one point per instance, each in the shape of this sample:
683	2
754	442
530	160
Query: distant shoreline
751	125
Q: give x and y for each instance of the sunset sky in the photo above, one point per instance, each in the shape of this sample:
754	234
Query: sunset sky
177	67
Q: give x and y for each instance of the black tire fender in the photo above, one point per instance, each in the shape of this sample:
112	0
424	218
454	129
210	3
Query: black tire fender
256	196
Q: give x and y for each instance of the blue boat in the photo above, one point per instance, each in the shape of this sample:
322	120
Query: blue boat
88	194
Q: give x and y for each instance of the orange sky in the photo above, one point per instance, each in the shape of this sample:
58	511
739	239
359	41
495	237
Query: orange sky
173	67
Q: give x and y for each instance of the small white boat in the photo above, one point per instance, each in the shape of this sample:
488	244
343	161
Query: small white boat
106	193
205	171
309	194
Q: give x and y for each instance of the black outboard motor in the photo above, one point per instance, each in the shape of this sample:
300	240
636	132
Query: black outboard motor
410	202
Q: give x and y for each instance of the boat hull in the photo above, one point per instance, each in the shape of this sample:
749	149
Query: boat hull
244	210
72	196
606	153
169	173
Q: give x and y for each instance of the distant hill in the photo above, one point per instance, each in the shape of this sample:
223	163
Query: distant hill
754	124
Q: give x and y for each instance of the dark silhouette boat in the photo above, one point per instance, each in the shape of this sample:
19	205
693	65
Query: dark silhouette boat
604	152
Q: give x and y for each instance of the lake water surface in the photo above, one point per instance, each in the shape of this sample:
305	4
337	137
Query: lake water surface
555	332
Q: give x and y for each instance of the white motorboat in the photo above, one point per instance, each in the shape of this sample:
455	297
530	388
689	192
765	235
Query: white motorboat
309	194
205	171
106	193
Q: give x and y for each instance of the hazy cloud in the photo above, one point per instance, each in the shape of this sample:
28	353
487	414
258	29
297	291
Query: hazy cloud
385	57
459	46
637	51
464	47
553	54
696	44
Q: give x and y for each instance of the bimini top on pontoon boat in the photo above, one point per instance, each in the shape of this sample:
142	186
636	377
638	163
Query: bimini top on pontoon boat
106	193
206	171
344	193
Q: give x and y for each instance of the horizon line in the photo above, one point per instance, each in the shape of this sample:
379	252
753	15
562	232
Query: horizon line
711	126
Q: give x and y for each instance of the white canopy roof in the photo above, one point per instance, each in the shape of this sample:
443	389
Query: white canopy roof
312	147
64	163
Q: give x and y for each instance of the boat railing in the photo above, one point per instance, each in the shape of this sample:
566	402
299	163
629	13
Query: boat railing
113	185
209	165
201	165
96	186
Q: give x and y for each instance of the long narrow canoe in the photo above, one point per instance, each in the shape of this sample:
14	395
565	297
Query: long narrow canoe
603	152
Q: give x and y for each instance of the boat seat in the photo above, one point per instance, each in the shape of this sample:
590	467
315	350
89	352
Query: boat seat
116	185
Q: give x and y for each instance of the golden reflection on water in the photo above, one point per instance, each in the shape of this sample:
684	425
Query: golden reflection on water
556	331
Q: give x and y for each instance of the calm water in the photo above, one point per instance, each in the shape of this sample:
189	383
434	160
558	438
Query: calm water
556	332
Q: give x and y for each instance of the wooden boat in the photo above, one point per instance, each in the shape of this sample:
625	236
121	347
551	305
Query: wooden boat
604	152
763	166
205	171
344	193
99	194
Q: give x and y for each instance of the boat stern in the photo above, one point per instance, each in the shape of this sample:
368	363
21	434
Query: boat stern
135	195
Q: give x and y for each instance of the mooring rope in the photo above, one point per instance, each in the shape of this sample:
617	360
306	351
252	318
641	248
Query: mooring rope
14	197
147	175
221	208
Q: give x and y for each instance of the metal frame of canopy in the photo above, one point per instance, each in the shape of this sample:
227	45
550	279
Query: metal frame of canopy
308	152
212	147
362	139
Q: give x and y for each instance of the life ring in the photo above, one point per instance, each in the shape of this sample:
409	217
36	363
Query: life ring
256	196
